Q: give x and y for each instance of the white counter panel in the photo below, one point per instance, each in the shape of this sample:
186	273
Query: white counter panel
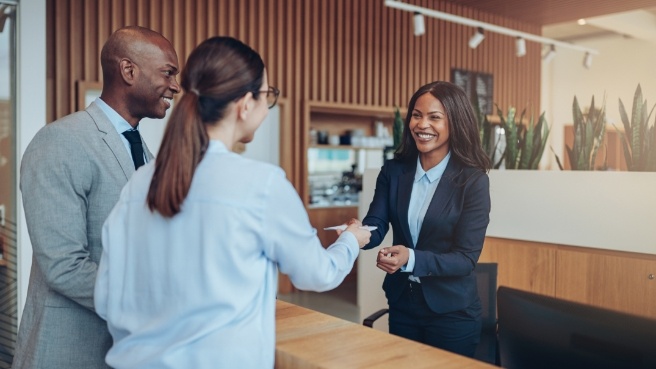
605	210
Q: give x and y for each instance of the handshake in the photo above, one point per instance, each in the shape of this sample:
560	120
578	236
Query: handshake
361	232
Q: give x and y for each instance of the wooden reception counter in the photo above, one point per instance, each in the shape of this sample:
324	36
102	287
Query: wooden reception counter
309	339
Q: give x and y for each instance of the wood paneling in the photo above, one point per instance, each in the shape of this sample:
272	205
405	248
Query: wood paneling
337	51
525	265
617	281
621	281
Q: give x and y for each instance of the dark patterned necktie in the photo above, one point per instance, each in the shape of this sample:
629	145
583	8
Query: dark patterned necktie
136	148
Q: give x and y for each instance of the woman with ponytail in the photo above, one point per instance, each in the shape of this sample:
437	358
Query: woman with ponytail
191	252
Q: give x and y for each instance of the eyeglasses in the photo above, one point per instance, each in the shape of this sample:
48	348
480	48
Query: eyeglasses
272	96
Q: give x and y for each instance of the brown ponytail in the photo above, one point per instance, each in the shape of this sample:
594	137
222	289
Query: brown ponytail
183	146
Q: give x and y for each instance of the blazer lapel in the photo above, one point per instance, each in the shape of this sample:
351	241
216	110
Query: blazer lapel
404	191
443	193
112	139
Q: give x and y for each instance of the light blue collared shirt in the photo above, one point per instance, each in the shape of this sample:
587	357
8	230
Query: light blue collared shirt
120	124
423	189
205	281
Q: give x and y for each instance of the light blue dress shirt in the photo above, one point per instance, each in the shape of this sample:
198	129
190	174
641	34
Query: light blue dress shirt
198	290
119	123
423	189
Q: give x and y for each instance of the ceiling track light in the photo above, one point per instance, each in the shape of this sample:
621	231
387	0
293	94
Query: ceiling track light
587	60
520	44
477	38
418	24
489	27
550	54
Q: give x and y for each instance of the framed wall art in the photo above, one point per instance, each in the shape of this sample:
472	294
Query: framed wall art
478	86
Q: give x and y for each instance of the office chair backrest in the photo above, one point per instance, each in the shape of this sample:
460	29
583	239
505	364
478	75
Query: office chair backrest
486	279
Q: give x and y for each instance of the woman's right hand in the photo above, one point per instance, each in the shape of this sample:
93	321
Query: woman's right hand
362	235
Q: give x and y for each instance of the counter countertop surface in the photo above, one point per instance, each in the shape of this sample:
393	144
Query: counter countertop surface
309	339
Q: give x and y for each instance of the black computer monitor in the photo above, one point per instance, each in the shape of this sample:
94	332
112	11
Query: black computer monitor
537	331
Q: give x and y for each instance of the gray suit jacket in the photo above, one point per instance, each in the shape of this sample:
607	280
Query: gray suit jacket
72	174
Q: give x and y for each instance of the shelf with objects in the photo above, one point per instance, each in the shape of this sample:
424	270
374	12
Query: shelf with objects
335	173
340	142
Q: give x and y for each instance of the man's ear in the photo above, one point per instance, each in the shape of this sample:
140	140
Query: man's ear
128	71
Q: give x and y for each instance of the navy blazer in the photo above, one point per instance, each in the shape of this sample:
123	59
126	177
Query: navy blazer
451	236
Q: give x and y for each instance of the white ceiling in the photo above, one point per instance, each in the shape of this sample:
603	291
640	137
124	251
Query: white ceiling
640	24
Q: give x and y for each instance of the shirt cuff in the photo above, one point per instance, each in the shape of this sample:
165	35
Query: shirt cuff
350	239
410	266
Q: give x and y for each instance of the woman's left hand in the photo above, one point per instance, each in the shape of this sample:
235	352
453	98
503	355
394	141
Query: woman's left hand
392	258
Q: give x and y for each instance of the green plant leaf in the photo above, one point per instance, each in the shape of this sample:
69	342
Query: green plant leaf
589	131
627	150
560	165
525	143
627	131
637	117
578	124
650	144
526	147
512	137
572	163
638	142
540	140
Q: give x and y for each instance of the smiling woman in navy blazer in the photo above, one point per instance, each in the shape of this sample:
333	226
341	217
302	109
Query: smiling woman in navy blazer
435	193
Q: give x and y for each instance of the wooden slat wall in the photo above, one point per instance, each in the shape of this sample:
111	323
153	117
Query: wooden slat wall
342	51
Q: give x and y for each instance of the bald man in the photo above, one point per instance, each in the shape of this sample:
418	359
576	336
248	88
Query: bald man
71	176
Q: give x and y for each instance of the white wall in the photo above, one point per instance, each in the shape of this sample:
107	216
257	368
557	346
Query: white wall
31	113
152	131
266	143
4	64
264	147
615	72
370	294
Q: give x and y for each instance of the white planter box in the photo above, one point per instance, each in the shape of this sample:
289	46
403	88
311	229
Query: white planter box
605	210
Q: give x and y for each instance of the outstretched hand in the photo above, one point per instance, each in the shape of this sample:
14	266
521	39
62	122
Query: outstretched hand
392	258
362	235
